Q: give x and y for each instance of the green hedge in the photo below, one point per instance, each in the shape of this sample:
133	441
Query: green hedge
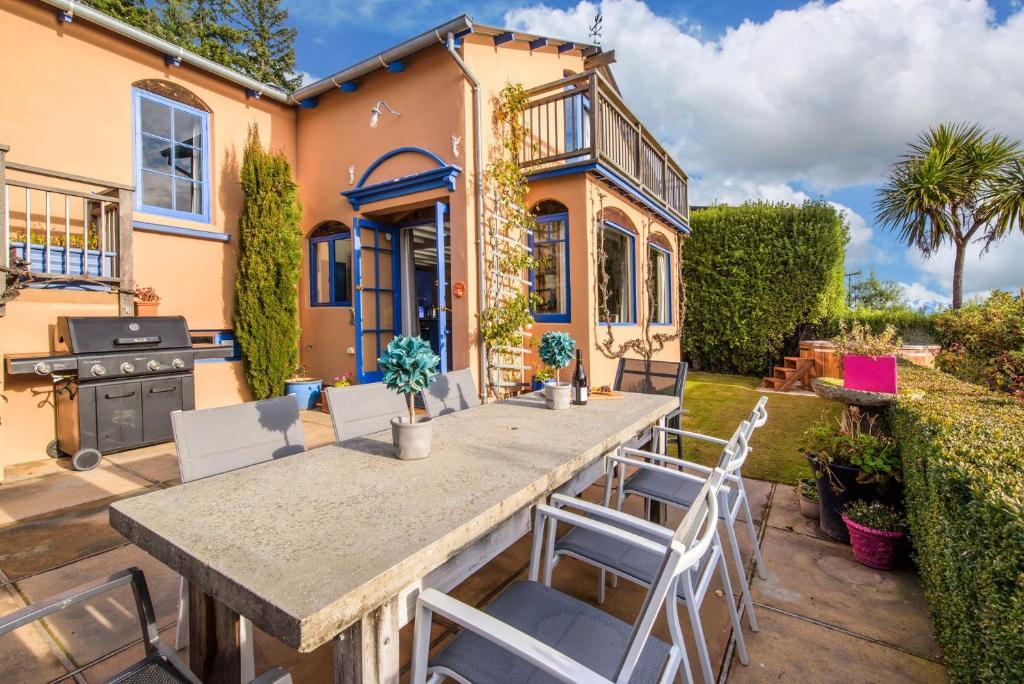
913	327
963	459
755	273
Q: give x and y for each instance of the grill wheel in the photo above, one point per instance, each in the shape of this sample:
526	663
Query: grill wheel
86	459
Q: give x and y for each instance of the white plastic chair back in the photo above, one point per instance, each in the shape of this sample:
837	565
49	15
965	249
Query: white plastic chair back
759	416
216	440
691	541
361	410
451	392
734	454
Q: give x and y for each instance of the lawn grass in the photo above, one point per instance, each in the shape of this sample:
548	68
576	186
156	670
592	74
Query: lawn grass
716	405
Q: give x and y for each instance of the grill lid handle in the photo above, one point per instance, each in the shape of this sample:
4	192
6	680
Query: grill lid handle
155	339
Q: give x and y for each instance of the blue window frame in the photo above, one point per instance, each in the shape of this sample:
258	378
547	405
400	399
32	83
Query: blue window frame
549	279
619	267
660	284
330	265
172	157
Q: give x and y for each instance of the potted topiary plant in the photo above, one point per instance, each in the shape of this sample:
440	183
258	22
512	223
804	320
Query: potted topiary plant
869	360
850	463
146	301
409	364
877	531
306	389
807	493
556	350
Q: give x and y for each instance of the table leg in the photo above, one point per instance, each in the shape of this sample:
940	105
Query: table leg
213	644
367	652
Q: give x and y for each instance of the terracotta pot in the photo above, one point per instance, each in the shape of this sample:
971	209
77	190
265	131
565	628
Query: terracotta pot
146	308
870	373
877	549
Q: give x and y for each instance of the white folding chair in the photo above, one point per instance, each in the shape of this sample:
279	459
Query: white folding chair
533	632
451	392
361	410
217	440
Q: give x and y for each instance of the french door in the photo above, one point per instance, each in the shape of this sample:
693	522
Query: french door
377	289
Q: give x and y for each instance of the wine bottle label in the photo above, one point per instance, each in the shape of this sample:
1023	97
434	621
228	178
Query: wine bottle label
583	395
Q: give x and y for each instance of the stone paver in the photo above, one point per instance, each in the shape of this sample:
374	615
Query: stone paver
25	655
27	498
157	463
786	514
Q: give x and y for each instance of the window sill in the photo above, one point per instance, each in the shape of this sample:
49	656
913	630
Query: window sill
619	325
339	305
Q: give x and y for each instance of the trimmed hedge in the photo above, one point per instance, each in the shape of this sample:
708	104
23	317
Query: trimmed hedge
914	327
754	273
963	460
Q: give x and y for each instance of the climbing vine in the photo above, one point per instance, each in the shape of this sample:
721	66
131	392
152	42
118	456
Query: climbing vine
647	345
506	313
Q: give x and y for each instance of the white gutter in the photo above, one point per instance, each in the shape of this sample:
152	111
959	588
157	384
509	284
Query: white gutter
383	59
77	9
479	180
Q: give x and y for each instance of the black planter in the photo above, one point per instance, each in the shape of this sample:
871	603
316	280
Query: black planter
835	492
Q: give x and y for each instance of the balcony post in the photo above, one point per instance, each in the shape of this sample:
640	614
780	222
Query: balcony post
125	204
638	164
664	179
595	131
6	232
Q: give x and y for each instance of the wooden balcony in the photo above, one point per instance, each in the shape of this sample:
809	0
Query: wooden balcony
581	121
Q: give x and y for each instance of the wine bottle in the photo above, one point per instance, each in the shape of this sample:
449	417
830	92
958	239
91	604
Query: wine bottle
580	386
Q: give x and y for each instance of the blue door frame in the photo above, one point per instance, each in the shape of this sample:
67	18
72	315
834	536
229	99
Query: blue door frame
440	209
378	291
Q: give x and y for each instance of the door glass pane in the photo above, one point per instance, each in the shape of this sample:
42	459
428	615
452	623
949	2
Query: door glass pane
188	128
368	265
156	154
187	196
323	272
156	190
369	316
155	118
370	352
386	274
387	310
342	285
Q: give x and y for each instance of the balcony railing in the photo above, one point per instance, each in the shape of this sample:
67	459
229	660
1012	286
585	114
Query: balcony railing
66	227
582	119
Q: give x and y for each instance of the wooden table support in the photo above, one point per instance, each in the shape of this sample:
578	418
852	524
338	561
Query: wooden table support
214	653
367	652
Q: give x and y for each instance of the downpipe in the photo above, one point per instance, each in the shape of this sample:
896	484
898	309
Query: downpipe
479	180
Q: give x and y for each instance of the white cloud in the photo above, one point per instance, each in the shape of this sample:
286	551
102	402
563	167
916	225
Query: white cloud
308	78
920	296
825	95
1001	268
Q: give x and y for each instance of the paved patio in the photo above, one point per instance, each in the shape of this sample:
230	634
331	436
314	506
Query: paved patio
822	615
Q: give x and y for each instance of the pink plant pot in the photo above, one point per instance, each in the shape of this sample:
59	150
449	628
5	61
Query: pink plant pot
874	548
870	373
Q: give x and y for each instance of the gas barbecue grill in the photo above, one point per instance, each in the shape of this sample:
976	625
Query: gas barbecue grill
116	381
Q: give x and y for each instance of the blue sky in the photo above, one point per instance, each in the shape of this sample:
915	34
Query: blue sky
767	100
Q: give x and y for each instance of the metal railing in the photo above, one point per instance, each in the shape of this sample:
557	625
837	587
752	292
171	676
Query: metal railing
582	119
65	226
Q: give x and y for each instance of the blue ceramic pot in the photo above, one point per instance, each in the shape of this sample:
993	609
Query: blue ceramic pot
307	392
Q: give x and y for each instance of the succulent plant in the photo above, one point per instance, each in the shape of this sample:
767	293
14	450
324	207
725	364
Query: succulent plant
409	365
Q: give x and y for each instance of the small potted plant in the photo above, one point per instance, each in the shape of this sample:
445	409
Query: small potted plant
556	350
542	375
343	380
146	301
869	360
305	389
877	531
409	365
807	493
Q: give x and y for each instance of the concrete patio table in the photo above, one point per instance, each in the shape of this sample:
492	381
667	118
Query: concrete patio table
336	542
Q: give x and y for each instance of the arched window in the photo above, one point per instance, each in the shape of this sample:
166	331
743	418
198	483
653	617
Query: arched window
172	151
619	238
330	265
659	281
549	279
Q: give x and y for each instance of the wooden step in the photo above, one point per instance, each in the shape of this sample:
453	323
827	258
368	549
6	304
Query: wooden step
785	378
792	361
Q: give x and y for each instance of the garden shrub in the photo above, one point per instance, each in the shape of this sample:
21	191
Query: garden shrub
913	327
963	460
756	272
983	342
269	246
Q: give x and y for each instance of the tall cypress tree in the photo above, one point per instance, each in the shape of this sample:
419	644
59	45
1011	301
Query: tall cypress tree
266	286
206	27
267	47
134	12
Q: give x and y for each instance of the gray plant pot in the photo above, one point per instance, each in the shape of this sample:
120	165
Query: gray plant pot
556	394
411	440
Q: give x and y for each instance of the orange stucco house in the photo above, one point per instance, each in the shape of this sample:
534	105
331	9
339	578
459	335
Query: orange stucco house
120	166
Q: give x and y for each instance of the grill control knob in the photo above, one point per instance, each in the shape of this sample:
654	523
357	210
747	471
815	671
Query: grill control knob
127	367
98	370
43	368
178	363
153	365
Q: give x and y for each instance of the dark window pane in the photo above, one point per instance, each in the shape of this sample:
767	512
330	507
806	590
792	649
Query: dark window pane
322	272
659	286
618	267
156	154
342	270
188	162
188	196
549	276
156	190
156	118
188	128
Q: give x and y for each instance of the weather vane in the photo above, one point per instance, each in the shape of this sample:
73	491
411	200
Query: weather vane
595	28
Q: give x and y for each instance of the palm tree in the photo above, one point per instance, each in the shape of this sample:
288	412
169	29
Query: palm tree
959	183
